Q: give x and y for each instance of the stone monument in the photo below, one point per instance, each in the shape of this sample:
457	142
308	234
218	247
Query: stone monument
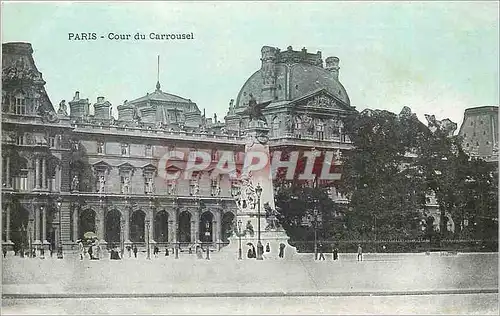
255	178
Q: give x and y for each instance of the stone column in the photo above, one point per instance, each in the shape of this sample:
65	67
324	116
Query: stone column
44	173
37	173
44	225
37	225
195	226
217	226
126	226
172	228
75	224
7	224
7	172
150	215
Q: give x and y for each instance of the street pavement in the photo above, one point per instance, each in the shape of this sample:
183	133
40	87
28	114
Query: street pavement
382	283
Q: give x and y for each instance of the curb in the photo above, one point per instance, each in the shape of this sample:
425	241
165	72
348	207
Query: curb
245	294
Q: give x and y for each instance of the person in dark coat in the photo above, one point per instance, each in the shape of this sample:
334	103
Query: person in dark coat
166	252
260	249
335	253
90	252
4	250
268	248
135	251
321	254
156	251
282	250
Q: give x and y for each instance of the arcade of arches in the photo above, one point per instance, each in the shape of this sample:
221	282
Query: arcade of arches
161	226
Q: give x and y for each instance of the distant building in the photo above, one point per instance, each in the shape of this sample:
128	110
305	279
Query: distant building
73	170
479	131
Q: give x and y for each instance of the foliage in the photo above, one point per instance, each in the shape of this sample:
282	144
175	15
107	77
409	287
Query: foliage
386	191
296	205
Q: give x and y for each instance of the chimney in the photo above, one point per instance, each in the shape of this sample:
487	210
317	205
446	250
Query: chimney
101	109
268	72
78	108
332	65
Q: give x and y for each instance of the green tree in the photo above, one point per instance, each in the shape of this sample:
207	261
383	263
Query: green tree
386	191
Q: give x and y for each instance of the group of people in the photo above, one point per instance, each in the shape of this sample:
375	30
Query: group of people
252	254
335	253
93	248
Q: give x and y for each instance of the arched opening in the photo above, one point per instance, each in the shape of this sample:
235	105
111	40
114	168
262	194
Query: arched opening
185	227
206	224
137	226
275	127
19	218
113	227
161	227
87	222
227	226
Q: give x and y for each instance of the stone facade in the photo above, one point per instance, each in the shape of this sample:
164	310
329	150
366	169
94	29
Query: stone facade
479	131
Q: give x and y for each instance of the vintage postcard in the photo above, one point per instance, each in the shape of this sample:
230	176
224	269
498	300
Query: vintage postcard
223	158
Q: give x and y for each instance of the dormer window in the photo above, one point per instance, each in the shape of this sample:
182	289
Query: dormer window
20	104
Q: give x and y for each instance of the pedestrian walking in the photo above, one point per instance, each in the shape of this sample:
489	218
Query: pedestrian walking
81	249
51	249
4	250
268	248
91	252
282	250
156	251
335	253
166	251
360	253
260	248
135	251
321	254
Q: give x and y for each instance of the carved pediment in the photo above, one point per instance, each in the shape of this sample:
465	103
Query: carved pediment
321	99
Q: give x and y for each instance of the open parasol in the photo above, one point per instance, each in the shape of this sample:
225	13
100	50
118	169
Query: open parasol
89	235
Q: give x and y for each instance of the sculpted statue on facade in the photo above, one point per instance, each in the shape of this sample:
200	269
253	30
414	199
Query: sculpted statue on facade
102	183
75	183
126	185
63	110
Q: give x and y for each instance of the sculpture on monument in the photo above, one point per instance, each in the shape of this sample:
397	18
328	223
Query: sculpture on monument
254	110
271	218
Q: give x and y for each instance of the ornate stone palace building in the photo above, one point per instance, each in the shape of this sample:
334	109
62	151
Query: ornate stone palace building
68	172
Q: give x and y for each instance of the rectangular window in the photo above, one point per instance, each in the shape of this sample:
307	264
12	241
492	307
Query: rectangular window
215	187
52	141
23	181
20	140
193	186
148	151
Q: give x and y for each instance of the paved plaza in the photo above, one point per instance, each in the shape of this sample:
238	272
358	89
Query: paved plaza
382	283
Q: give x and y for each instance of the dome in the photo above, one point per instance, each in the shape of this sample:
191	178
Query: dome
296	74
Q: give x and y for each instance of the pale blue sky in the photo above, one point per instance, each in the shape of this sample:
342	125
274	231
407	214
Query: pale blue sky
436	57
